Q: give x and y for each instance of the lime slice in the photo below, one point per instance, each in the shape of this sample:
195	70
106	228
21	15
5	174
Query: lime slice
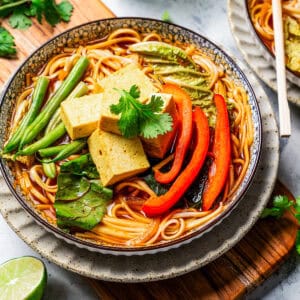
22	278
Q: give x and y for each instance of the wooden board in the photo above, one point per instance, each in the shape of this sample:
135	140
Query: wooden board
231	276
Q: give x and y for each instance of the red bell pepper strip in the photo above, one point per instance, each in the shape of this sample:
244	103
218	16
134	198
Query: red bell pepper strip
219	169
160	204
184	107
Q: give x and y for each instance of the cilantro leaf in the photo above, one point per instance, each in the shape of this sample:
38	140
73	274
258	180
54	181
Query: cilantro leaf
37	8
138	118
280	205
298	242
65	9
158	124
7	45
166	16
19	20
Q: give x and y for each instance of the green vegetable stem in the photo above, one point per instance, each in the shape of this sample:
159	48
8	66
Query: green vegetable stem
45	141
37	101
49	169
51	151
80	90
69	149
63	91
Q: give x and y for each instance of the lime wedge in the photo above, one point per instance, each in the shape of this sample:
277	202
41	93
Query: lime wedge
22	278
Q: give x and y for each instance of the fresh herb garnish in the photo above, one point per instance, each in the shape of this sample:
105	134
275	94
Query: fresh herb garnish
7	44
21	12
141	119
279	206
166	16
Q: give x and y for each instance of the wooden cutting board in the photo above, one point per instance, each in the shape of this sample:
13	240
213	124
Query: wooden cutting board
231	276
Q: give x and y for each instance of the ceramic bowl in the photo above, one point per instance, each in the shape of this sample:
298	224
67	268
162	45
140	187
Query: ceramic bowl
268	54
96	30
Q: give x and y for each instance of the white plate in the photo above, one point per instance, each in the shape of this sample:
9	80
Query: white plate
173	262
255	54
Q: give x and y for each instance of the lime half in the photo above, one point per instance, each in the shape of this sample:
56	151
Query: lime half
22	278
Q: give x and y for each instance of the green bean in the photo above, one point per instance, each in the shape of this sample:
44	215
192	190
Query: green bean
37	101
51	106
71	148
51	151
80	90
49	169
45	141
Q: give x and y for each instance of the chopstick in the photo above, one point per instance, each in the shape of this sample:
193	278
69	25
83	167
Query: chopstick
284	111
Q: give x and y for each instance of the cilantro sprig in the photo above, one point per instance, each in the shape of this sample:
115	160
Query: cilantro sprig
7	44
20	13
279	206
138	118
166	17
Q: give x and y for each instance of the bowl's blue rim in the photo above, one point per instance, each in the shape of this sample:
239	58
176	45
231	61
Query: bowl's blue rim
150	248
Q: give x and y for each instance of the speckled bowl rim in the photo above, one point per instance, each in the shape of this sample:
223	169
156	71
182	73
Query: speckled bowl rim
152	249
292	76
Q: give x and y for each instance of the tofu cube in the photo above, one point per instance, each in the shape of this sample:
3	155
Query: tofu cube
158	147
124	79
116	157
81	115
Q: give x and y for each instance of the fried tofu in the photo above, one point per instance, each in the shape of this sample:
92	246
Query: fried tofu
116	157
124	79
158	147
81	115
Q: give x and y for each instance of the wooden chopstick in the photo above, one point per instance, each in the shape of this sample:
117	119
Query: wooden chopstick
284	111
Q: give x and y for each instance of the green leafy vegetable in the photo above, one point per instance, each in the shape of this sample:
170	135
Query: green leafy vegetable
20	13
81	200
19	20
84	213
166	16
155	186
163	51
141	119
71	187
279	206
7	44
83	166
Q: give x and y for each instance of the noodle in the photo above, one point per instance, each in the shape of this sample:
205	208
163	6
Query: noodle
124	223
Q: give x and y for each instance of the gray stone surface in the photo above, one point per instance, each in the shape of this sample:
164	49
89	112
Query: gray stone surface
210	19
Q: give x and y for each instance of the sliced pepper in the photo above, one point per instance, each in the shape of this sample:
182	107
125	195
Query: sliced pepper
184	107
219	169
160	204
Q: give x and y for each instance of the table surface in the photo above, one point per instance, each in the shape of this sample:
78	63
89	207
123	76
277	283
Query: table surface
210	19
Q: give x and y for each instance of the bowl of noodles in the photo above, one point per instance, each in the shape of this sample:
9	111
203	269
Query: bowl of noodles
129	136
260	18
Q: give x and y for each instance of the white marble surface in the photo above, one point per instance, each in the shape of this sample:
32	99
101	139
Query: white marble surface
210	19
